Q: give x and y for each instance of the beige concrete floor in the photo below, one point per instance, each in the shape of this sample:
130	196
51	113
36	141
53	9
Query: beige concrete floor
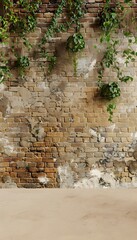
55	214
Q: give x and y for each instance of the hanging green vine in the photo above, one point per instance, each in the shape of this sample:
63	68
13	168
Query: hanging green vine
75	44
20	24
111	20
74	13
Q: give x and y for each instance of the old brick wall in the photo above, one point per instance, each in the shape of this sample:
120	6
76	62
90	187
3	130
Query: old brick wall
54	129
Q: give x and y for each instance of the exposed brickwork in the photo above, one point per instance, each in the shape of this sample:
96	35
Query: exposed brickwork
54	130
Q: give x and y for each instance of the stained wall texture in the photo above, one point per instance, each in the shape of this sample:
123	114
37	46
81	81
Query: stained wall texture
54	129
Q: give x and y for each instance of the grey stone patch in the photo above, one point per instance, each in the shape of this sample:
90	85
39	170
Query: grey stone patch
32	122
38	132
36	129
31	185
94	179
8	182
98	179
25	143
96	134
21	164
133	167
111	153
6	146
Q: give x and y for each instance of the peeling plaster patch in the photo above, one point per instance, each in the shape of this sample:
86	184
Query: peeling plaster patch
95	173
38	132
112	152
2	87
97	135
85	65
66	176
7	147
134	135
134	181
32	122
26	97
97	179
93	133
100	138
8	182
128	108
42	85
121	60
43	180
16	102
84	183
112	127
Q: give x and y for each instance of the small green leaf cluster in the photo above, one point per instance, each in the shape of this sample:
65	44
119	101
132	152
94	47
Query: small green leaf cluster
4	68
75	43
110	90
22	63
110	108
4	73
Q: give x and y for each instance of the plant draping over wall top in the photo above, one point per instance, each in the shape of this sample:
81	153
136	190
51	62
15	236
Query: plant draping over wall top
112	18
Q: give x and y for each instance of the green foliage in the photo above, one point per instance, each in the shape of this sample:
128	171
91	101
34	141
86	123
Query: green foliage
4	73
4	68
14	21
52	29
111	20
110	91
75	64
75	43
22	63
74	13
24	25
110	108
52	62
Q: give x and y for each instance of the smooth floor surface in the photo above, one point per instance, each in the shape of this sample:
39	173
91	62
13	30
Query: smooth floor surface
55	214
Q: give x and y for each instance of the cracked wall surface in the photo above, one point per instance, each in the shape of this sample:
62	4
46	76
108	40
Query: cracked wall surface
54	129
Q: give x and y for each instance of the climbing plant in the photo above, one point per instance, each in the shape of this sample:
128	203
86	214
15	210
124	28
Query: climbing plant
112	20
14	22
74	13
